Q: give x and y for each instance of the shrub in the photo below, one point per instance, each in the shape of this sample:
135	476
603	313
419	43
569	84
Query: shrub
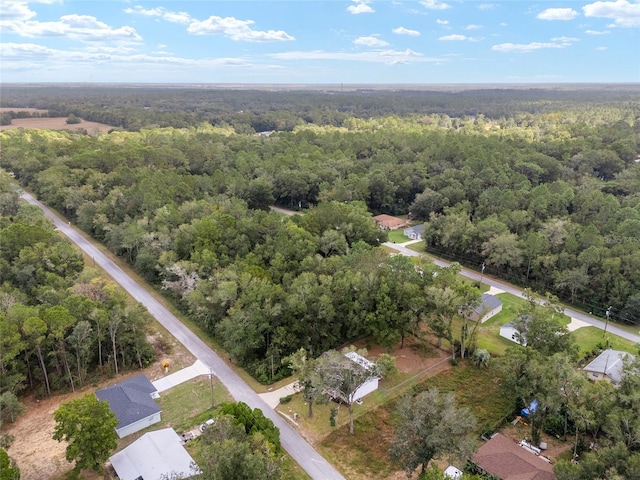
286	399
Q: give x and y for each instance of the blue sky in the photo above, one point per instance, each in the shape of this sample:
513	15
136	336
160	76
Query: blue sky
320	42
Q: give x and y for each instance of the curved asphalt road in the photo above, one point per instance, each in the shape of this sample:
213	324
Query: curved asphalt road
519	293
303	453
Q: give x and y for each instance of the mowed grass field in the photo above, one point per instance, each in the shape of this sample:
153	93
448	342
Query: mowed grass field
57	123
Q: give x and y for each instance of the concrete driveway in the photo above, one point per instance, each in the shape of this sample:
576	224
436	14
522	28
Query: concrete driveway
181	376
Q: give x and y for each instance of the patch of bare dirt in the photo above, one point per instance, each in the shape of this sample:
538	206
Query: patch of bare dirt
57	123
39	456
555	446
23	109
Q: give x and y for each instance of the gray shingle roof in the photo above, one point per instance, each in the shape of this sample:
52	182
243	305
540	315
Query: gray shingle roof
610	363
415	229
489	302
130	400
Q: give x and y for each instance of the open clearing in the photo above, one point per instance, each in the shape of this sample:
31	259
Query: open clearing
56	123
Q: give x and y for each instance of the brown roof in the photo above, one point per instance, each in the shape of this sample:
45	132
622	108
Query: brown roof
505	459
389	222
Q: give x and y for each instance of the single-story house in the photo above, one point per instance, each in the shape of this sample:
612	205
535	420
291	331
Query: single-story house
371	385
489	307
132	402
387	222
415	232
608	366
510	332
154	456
505	459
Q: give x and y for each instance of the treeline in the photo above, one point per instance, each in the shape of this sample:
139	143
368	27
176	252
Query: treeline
60	324
550	201
133	107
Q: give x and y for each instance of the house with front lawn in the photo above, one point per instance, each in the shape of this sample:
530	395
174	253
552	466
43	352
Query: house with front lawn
387	222
132	402
415	232
489	307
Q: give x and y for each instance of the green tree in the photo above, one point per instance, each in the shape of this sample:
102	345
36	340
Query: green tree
10	407
88	425
340	377
8	468
430	426
304	369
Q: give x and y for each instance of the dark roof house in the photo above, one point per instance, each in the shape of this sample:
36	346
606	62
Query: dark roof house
489	307
505	459
132	403
415	232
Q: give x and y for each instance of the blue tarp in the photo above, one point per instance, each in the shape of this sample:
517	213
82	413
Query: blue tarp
530	409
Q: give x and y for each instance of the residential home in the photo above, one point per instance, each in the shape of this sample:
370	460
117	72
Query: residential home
387	222
132	402
506	460
510	332
608	366
372	384
415	232
489	307
154	456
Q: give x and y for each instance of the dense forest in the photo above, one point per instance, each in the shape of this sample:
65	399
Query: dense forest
544	189
61	325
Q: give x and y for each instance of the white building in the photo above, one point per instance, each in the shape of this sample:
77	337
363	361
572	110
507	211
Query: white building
370	385
154	456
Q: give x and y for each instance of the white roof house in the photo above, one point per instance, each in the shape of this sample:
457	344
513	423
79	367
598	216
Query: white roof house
153	456
372	384
608	366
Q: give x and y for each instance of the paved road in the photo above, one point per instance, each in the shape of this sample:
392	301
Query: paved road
519	293
303	453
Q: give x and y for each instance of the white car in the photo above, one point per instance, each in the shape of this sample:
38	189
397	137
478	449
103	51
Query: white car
206	424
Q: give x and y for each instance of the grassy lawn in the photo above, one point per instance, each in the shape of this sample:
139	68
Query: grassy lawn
364	455
589	337
397	236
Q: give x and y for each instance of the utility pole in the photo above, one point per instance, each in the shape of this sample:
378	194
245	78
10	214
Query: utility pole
481	273
606	324
211	383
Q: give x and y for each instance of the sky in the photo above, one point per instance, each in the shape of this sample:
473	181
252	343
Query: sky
320	42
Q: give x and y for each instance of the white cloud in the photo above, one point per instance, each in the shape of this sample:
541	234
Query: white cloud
457	38
565	40
434	4
473	27
390	57
16	11
442	22
370	41
82	28
20	55
361	6
597	32
623	13
557	42
406	31
504	24
169	16
558	14
238	30
601	49
486	6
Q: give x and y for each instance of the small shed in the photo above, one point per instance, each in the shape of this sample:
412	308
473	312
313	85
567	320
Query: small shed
132	402
371	385
387	222
415	232
489	307
154	456
608	366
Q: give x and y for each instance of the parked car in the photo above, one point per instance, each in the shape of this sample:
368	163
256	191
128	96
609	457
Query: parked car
206	424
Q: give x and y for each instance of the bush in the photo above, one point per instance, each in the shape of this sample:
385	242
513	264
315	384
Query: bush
73	120
286	399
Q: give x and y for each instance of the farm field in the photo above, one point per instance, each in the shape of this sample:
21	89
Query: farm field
56	123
